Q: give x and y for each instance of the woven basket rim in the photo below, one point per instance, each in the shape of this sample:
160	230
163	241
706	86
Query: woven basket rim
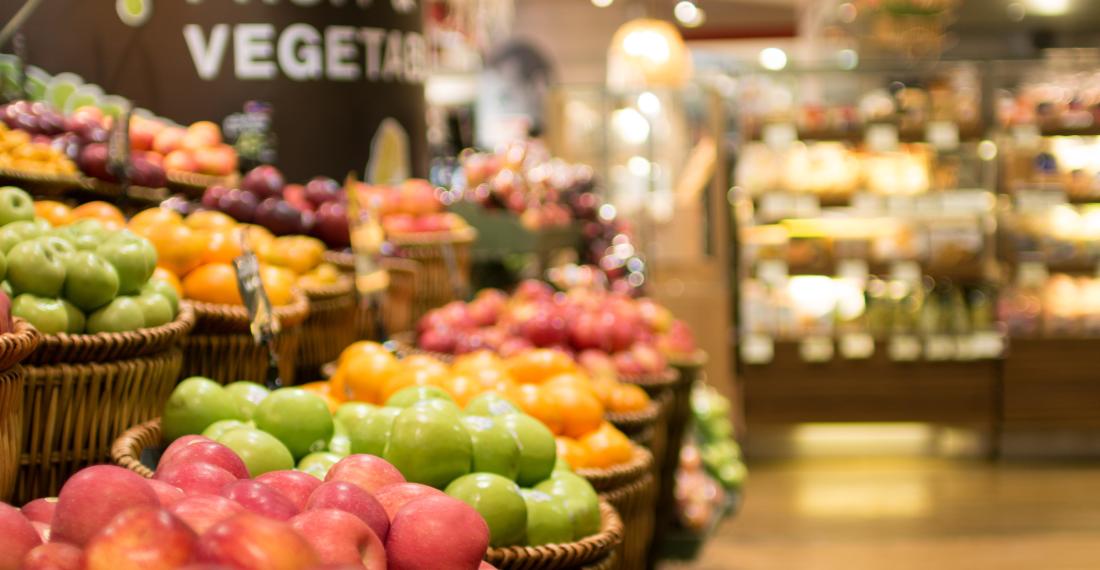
18	344
75	180
197	179
457	236
594	547
344	286
127	447
617	475
54	346
666	378
289	315
640	418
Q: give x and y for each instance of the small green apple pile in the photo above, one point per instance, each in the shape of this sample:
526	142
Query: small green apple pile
79	278
490	455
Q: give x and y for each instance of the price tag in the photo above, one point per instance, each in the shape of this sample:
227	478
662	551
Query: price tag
264	322
772	272
943	135
939	347
908	271
987	344
853	269
857	346
904	348
881	137
1027	135
757	349
816	349
779	136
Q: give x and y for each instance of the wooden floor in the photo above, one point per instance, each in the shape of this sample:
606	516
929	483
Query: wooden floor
901	514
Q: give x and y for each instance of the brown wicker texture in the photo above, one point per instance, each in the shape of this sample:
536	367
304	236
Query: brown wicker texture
18	344
329	328
11	428
127	449
397	304
435	284
343	260
194	185
574	555
73	412
42	184
654	384
213	318
106	347
639	422
612	561
630	489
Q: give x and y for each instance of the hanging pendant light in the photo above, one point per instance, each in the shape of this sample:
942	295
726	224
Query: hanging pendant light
648	53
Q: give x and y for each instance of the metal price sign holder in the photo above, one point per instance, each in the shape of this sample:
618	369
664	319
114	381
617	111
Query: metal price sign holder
264	323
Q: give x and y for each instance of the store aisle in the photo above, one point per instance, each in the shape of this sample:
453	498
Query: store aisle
912	513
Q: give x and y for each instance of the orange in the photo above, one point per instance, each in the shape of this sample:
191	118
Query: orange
257	236
604	388
628	398
222	246
536	366
213	283
299	253
323	390
338	386
572	452
165	275
361	347
410	377
477	360
210	220
578	407
56	213
111	217
607	446
425	361
529	398
279	284
364	375
179	249
461	387
578	380
155	217
490	379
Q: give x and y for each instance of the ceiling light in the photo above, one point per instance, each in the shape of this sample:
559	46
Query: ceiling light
773	58
602	3
685	11
1048	7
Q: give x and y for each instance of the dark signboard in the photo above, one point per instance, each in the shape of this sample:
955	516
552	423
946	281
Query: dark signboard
344	78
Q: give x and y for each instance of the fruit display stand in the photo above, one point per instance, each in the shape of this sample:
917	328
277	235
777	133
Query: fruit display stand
397	306
501	233
83	390
222	347
444	259
630	489
596	552
14	347
330	327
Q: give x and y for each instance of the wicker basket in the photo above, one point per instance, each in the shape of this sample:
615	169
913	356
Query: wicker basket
593	552
74	408
437	253
329	328
194	185
14	347
222	347
397	307
630	489
638	425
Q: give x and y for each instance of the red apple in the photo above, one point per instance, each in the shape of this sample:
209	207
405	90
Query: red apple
486	566
180	161
251	542
545	327
348	497
218	160
204	133
597	363
332	225
341	538
145	538
417	197
178	445
201	512
649	358
167	494
93	497
210	452
40	510
393	497
399	224
437	532
678	341
143	132
322	189
369	472
260	499
294	485
438	340
533	290
54	556
195	478
265	181
296	195
168	140
17	537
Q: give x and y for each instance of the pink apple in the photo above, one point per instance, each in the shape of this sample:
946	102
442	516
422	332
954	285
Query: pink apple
54	556
145	538
533	290
93	497
180	161
168	140
393	497
251	542
438	340
168	494
195	477
294	485
17	537
210	452
201	512
649	358
369	472
348	497
340	537
178	445
260	499
437	532
40	510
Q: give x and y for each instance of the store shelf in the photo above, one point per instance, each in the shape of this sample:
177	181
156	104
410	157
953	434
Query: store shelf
858	134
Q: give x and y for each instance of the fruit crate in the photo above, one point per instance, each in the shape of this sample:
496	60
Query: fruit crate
500	234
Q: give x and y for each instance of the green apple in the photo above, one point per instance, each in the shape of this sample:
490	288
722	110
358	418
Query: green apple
60	247
500	503
562	465
580	499
548	519
298	418
354	412
340	443
221	427
33	267
318	464
495	449
155	309
490	404
3	266
85	235
49	316
371	434
164	289
15	205
77	320
413	394
122	314
247	395
18	232
537	449
260	451
133	257
195	404
90	281
429	444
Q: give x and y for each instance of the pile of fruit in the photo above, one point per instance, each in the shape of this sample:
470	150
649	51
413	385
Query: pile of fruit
720	454
198	251
411	208
546	384
606	332
420	439
19	152
69	272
